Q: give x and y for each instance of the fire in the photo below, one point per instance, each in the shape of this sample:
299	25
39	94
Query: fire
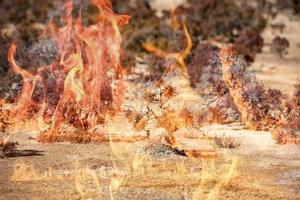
179	57
76	89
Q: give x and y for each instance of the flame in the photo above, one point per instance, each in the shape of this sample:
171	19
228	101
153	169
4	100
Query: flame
178	56
74	89
83	176
222	176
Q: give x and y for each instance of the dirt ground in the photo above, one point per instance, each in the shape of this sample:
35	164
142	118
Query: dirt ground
261	170
64	171
276	72
257	169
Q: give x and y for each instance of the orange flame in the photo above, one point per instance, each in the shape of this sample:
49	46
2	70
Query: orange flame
178	56
75	88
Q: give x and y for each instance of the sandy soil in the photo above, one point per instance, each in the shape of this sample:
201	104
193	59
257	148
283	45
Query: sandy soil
260	169
257	169
276	72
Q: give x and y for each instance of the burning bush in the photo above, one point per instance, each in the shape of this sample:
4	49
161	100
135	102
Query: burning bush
260	109
76	89
76	92
222	75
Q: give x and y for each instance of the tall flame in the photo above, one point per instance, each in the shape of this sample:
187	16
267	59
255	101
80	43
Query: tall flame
76	88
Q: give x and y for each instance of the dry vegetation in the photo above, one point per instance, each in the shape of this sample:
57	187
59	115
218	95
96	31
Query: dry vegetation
260	109
163	102
221	75
7	147
226	142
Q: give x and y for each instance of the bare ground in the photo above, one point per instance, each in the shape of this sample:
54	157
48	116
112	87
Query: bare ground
261	170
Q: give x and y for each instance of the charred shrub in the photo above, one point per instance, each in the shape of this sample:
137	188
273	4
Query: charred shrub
249	43
7	147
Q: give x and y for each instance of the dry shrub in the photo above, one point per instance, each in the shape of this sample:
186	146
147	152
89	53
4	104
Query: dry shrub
7	147
260	109
212	115
248	44
138	120
160	92
212	18
205	66
206	76
290	133
187	116
226	142
222	75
